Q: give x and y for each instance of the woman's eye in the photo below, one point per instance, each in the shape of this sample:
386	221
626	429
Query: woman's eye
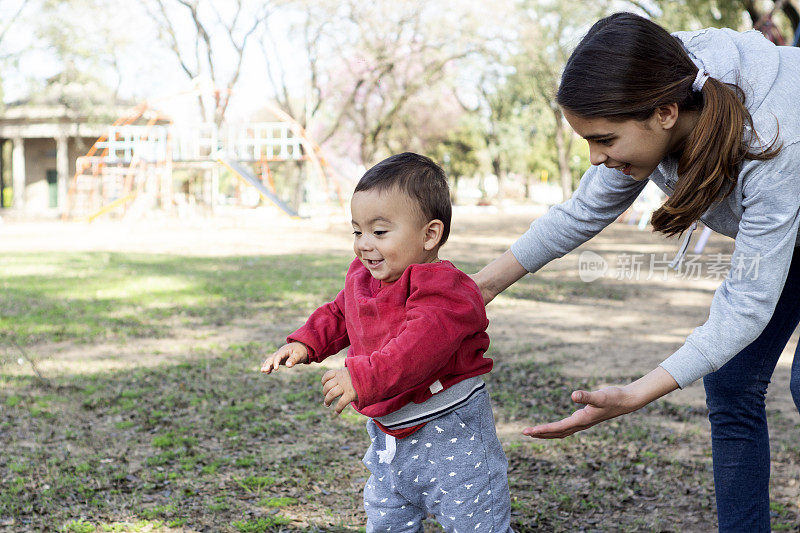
357	233
604	142
379	232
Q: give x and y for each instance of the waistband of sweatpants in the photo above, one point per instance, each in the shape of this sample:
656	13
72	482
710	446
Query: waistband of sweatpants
437	405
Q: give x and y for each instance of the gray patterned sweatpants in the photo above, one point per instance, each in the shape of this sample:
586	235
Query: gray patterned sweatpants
454	467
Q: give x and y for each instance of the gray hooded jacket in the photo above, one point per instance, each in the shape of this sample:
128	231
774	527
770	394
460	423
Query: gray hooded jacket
762	213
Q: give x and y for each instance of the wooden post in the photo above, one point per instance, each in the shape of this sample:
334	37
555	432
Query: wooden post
2	172
18	172
62	170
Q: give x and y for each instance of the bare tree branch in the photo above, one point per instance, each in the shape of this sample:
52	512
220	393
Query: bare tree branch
205	49
167	31
31	362
240	48
279	86
10	20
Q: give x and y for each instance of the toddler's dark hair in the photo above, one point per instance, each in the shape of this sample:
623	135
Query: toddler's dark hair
420	178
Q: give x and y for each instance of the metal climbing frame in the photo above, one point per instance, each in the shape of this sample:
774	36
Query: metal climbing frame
134	161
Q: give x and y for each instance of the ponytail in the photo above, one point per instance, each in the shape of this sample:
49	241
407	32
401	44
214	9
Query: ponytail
712	156
626	67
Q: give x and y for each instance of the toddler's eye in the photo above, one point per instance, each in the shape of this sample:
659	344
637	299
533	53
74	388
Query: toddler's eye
357	233
379	232
604	142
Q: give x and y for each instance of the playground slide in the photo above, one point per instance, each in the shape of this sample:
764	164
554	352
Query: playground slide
248	176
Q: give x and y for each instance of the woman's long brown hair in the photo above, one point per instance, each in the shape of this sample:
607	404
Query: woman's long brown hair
626	67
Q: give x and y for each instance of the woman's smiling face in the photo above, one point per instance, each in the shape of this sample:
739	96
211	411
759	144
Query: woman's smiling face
634	147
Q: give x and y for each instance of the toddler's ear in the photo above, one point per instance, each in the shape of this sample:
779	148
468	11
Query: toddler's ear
433	234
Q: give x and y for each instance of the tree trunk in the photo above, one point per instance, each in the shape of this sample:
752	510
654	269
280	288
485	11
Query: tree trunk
454	190
528	178
482	188
497	168
563	149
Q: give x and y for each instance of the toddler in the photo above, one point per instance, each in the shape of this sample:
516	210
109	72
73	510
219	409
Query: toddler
415	326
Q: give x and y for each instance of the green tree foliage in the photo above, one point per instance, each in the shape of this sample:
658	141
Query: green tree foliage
88	41
9	17
455	79
460	152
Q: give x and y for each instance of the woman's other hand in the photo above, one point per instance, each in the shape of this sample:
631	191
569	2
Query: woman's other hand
607	403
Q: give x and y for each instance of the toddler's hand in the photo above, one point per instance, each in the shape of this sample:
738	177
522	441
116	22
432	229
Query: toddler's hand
337	384
288	354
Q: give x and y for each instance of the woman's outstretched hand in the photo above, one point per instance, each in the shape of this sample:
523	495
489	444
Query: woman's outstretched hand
607	403
600	405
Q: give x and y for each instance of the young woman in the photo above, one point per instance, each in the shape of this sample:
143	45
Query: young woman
711	117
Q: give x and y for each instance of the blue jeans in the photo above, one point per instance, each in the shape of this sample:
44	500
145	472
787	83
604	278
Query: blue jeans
739	435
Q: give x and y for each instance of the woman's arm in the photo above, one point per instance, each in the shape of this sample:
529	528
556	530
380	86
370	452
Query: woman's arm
602	195
607	403
764	247
498	275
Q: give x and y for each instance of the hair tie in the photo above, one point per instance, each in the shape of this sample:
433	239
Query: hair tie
700	80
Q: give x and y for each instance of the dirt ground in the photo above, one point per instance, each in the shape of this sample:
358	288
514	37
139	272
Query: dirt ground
606	335
609	337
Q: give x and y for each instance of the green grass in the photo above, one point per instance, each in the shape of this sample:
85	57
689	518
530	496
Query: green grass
160	511
13	401
182	458
210	443
256	483
100	296
191	471
278	502
260	525
79	526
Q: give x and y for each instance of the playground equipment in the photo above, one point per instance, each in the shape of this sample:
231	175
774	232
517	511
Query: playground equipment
249	178
132	165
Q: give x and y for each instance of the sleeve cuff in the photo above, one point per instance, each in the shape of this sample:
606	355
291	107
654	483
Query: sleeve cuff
530	251
687	365
311	352
364	396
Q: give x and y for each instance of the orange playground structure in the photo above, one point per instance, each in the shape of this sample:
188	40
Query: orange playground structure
130	168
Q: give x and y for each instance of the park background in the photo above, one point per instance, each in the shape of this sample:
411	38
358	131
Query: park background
131	337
